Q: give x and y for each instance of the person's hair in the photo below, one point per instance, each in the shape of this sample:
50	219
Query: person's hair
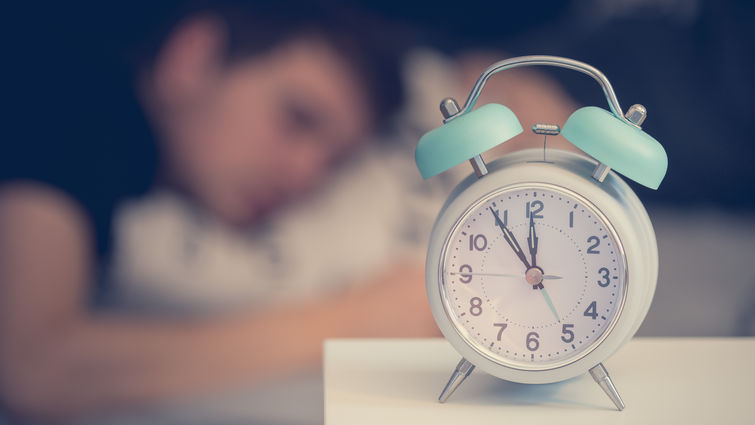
370	45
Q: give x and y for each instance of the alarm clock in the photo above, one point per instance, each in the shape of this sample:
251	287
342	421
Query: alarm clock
542	263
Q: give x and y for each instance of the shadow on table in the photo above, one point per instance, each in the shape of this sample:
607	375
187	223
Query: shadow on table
481	389
489	390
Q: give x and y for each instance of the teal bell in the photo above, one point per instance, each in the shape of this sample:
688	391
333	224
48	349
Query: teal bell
622	146
465	137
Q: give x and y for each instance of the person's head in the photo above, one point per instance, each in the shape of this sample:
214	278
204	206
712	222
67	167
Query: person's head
253	104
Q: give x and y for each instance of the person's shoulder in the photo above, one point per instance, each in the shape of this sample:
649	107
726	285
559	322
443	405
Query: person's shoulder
27	202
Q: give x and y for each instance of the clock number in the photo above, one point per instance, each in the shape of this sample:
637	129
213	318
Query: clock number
595	242
568	334
534	208
475	306
592	311
606	280
532	343
571	218
500	331
465	278
477	242
504	218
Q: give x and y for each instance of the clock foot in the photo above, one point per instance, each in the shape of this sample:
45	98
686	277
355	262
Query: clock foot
600	375
463	369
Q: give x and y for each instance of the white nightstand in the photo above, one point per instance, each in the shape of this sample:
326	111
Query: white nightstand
662	380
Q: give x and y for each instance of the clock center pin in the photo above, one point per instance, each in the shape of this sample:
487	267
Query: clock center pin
534	276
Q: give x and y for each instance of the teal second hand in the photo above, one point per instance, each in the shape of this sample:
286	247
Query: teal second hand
550	303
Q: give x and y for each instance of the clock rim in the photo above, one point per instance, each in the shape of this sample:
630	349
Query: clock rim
620	208
521	365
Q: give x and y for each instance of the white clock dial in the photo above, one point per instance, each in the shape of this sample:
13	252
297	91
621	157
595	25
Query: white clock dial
533	277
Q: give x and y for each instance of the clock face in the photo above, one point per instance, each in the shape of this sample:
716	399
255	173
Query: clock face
533	277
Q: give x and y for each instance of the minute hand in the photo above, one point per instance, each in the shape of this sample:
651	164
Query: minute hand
510	239
532	241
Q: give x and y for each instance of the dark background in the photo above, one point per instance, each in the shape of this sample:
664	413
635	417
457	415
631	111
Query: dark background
691	63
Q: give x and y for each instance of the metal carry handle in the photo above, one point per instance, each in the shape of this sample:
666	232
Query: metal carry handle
556	61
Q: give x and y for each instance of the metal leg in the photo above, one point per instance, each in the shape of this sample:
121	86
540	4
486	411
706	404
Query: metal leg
463	369
600	375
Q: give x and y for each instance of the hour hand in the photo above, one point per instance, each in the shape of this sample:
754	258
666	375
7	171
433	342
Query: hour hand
510	239
532	241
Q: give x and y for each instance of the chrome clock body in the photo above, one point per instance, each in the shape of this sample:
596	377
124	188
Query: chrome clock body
618	220
528	309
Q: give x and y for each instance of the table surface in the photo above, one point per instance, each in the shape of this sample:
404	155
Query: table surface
662	380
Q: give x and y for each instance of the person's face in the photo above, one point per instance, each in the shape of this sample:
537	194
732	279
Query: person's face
260	132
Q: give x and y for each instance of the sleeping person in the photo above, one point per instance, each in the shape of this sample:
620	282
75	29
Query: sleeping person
233	112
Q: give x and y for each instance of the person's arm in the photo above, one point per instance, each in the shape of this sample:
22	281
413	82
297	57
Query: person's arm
57	359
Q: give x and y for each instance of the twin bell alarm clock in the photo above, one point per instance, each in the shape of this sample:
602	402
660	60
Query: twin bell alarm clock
541	264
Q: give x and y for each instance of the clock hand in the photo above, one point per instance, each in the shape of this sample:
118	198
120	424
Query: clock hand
510	239
532	240
487	274
545	277
534	277
550	303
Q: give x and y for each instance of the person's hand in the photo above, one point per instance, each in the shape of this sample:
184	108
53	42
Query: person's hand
393	304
